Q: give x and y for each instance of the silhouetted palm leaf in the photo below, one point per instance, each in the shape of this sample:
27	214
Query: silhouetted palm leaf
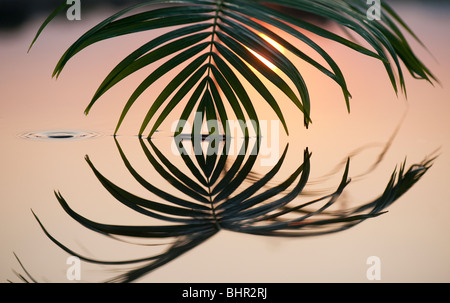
212	42
223	202
212	45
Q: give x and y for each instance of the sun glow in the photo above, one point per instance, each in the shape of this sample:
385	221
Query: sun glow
275	44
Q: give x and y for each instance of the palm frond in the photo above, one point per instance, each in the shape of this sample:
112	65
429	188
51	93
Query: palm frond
218	40
28	278
223	202
215	48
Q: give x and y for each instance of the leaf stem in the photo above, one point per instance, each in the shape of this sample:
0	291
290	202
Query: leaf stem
212	204
216	17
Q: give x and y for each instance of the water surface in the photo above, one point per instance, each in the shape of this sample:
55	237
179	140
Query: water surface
410	240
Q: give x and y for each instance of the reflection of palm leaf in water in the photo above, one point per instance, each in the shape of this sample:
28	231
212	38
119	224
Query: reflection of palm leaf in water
215	40
212	45
216	201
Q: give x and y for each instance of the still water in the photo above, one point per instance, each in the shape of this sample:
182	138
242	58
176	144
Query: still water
49	146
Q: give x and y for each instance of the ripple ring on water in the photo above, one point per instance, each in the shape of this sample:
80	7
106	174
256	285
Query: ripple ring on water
59	135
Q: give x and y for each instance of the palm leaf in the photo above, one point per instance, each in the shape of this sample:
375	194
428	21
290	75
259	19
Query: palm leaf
211	45
214	38
260	209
